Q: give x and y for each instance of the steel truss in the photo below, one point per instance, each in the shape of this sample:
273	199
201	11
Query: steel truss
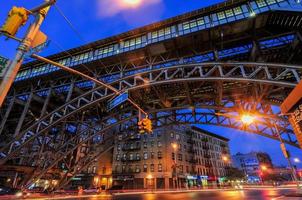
39	146
162	117
272	74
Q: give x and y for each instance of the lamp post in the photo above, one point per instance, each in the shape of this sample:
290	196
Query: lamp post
297	160
174	146
248	119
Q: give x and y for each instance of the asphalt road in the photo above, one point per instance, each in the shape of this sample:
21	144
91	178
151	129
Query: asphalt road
246	194
255	194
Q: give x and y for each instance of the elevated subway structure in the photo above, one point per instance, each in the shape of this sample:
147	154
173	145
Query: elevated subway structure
228	58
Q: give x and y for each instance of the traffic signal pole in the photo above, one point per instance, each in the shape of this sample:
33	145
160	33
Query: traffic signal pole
23	48
287	157
73	71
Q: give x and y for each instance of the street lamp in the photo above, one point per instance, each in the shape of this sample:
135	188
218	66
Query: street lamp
149	176
297	160
263	168
248	119
174	146
225	159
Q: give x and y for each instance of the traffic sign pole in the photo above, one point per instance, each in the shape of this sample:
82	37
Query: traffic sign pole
24	47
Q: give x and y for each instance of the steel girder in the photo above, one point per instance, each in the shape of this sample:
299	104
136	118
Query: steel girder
279	75
161	117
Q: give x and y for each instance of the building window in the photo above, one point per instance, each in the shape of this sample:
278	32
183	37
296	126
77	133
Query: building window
124	156
160	168
152	167
145	144
94	169
152	155
159	144
152	143
137	169
261	3
120	137
180	157
171	135
159	155
138	156
131	156
145	155
145	168
123	168
181	169
173	156
177	136
118	156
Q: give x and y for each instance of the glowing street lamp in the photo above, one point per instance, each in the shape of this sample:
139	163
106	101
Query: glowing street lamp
247	119
263	168
174	146
149	176
225	159
296	160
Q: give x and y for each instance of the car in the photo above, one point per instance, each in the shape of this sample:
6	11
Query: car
11	191
238	187
92	190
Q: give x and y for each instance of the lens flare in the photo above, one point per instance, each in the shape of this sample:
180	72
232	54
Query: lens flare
247	119
132	3
108	8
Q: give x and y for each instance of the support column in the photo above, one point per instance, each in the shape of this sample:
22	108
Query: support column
3	122
23	115
145	183
167	183
43	111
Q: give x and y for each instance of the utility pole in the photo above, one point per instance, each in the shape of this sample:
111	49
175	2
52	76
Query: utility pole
287	156
24	47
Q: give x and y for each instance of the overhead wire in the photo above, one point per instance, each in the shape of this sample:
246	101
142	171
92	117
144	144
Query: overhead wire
83	40
78	34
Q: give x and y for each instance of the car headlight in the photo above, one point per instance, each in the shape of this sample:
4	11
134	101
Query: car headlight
19	194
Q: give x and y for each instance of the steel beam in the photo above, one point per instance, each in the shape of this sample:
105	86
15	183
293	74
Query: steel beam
23	115
8	110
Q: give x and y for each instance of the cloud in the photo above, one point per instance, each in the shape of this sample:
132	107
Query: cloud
109	8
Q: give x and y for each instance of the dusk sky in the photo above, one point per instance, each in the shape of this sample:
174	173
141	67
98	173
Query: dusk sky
99	19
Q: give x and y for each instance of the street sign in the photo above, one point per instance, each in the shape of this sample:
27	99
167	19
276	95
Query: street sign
37	49
117	101
4	62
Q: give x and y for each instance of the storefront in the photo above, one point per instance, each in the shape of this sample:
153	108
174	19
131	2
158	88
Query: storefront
197	181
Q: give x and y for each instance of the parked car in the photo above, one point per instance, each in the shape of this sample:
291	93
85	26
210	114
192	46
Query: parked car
92	190
11	191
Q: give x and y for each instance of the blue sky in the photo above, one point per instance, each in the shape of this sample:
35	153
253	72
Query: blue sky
96	20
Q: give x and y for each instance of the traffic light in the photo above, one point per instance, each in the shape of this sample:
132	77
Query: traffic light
148	125
140	127
17	17
145	125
